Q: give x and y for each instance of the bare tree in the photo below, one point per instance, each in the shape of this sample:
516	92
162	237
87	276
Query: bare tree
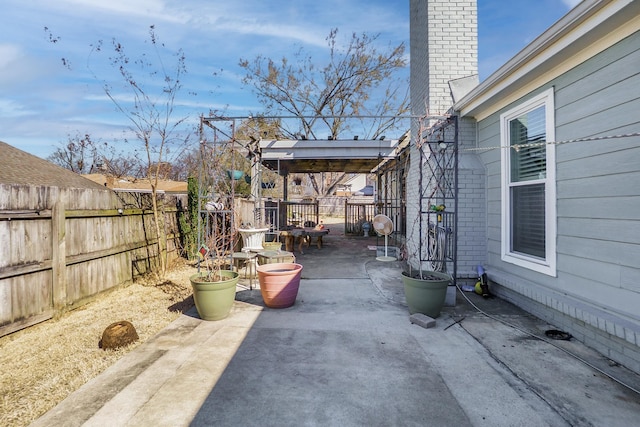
79	154
257	127
323	98
150	89
186	167
83	155
151	115
121	165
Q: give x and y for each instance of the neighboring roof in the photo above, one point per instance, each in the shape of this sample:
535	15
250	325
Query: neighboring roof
18	167
138	185
588	29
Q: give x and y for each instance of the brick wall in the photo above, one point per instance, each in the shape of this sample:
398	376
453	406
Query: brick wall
472	203
444	47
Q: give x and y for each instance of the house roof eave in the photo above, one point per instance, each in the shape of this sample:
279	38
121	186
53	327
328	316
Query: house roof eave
590	27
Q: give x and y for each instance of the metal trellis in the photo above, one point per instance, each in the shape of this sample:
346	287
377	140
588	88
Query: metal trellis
438	189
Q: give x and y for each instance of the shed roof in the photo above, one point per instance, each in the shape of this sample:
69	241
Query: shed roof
18	167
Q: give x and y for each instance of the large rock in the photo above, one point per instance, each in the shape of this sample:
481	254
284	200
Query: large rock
117	335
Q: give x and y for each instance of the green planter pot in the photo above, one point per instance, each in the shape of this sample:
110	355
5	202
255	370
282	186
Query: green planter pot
214	299
426	296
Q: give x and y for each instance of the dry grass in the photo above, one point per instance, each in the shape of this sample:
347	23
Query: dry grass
45	363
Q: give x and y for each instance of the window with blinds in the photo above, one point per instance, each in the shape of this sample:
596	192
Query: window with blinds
528	184
527	138
528	163
527	225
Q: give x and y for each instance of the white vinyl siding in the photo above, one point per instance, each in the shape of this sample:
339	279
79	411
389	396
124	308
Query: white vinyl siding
528	185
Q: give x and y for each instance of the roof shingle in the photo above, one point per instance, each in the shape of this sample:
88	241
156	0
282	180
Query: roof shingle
18	167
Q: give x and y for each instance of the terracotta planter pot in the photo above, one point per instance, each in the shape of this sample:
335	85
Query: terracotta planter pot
279	283
214	299
426	296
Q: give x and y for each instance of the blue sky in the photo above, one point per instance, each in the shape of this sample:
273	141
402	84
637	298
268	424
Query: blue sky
42	102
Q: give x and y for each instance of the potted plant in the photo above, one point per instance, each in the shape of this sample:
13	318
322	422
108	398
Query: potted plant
425	291
215	293
426	281
427	250
214	285
253	237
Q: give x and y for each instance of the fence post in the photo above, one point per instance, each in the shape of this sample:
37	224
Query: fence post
58	255
346	216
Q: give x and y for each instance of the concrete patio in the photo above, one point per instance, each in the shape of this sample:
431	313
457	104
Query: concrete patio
346	354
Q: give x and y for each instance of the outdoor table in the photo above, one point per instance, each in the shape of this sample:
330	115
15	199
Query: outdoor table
310	233
290	236
269	257
304	234
248	259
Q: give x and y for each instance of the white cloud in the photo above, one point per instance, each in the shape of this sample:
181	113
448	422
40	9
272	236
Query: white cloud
9	108
294	32
571	3
148	9
8	54
20	69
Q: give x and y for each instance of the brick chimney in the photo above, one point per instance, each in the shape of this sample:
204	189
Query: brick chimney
444	56
443	47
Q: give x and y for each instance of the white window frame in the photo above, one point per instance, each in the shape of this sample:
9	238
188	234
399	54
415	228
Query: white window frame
548	264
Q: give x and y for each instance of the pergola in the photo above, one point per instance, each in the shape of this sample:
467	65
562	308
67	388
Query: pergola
436	180
290	158
312	156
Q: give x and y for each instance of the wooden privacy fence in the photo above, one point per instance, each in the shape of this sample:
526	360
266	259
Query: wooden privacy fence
52	260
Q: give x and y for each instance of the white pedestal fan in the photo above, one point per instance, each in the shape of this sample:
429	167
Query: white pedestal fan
383	225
